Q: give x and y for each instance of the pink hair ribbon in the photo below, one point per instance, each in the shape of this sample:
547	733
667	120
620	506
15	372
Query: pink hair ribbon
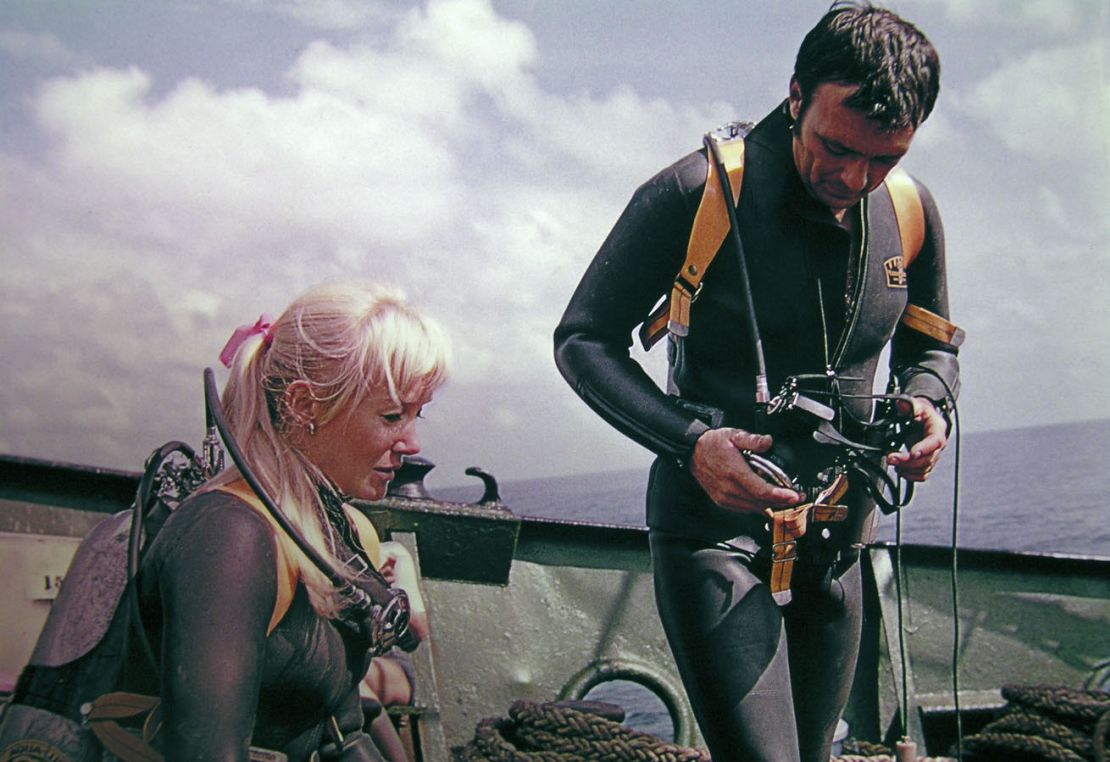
263	325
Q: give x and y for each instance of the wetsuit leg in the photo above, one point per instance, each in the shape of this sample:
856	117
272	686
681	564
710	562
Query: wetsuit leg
823	624
387	739
729	641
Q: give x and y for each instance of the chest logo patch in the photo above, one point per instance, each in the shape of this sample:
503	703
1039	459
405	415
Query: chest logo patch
895	272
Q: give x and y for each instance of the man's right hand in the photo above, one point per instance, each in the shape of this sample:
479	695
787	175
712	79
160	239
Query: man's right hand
726	477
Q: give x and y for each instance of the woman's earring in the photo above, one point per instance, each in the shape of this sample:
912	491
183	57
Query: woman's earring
311	428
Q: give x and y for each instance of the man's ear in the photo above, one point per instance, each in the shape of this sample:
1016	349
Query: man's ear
795	98
301	405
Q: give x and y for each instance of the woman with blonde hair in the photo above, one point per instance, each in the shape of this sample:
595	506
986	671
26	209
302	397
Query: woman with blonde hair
256	646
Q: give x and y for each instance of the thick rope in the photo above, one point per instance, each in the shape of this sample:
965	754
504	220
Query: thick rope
559	733
1048	722
865	751
1041	722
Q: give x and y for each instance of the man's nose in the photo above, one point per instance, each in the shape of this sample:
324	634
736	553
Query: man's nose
854	175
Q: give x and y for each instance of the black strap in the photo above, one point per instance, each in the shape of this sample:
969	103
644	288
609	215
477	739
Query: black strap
900	491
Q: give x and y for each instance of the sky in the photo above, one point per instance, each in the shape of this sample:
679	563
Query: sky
170	170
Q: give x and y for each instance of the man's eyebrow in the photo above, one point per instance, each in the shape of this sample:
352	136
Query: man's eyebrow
835	144
838	146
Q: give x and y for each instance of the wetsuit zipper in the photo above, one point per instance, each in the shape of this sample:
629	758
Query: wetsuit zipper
852	308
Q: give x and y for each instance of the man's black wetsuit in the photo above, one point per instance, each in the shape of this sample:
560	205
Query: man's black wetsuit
208	586
819	301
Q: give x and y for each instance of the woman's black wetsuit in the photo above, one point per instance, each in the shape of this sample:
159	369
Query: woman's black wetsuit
208	587
822	299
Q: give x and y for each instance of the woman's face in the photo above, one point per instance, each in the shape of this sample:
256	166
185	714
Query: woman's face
361	449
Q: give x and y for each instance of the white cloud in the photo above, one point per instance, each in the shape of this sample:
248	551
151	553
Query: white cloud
423	147
621	135
247	164
1058	17
1053	104
470	40
40	48
325	15
162	216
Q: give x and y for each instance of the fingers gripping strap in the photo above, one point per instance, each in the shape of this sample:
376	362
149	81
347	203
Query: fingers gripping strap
706	236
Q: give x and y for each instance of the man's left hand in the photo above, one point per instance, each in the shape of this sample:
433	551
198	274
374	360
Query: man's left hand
917	463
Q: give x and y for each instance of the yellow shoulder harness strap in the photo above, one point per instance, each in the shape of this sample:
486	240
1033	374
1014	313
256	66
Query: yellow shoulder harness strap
911	229
367	535
287	553
711	226
288	572
908	212
706	236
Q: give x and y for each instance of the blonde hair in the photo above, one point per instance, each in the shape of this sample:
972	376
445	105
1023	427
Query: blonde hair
343	340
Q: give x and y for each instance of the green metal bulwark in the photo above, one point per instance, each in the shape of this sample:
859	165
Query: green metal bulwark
467	543
545	609
65	485
1023	618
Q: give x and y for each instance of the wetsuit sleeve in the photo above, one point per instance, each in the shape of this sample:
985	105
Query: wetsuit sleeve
218	586
632	270
914	356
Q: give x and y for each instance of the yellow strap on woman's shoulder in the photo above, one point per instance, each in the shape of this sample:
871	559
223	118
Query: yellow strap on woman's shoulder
367	534
287	553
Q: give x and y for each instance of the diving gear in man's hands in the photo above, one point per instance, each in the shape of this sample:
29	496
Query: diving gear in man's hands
810	449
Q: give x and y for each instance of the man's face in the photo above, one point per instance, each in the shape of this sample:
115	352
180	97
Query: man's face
841	155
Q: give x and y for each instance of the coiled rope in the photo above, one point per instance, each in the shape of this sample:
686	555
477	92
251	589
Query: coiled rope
1040	723
1049	723
574	731
567	732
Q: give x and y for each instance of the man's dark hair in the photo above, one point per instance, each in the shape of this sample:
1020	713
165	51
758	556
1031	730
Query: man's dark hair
894	64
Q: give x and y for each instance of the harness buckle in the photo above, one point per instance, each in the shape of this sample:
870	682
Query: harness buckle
786	550
689	288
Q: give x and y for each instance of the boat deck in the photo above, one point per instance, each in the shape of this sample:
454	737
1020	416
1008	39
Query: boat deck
524	608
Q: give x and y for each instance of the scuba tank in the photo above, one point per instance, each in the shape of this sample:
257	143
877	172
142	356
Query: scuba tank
84	645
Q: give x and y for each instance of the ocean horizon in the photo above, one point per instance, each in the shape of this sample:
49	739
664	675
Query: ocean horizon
1042	489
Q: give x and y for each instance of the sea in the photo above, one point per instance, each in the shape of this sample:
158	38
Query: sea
1044	489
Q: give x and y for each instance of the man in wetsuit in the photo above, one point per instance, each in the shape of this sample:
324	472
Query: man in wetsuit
824	255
